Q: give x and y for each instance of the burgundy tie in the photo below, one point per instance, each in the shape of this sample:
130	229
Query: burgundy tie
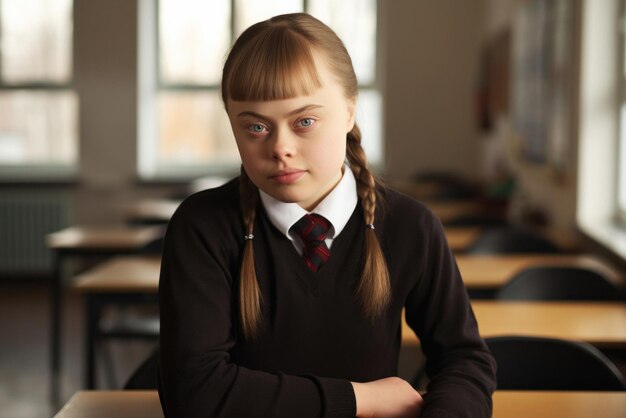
312	229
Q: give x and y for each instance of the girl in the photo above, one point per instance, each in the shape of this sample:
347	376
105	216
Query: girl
258	317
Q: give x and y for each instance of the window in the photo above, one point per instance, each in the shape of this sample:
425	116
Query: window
183	128
621	155
38	107
600	154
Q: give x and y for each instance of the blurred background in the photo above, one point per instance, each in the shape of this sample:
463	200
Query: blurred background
110	114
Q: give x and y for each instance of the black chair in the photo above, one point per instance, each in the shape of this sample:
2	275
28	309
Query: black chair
511	240
477	220
559	283
537	363
146	376
451	185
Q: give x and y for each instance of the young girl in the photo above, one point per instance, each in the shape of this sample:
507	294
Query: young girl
282	291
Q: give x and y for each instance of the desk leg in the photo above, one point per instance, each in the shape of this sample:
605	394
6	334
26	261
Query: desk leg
55	329
92	317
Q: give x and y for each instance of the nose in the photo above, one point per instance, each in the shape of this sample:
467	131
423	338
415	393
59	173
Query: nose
283	145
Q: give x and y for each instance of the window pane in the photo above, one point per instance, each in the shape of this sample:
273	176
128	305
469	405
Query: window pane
194	129
369	119
194	38
621	196
36	40
252	11
38	127
355	23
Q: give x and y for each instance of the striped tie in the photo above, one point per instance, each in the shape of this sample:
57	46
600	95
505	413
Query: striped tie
312	229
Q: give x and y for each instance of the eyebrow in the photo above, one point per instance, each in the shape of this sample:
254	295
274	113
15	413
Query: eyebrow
293	112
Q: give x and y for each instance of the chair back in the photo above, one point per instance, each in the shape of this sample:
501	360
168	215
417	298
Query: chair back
503	240
559	283
484	220
537	363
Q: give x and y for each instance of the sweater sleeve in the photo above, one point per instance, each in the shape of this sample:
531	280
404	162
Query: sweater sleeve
197	377
460	367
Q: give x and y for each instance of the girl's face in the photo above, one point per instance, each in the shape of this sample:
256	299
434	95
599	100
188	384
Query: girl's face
294	149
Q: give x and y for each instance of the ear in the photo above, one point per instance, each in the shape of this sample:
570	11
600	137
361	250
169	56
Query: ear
351	114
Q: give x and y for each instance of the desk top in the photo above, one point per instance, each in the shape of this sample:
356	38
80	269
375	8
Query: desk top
507	404
141	274
599	323
448	210
116	237
523	404
161	209
492	271
460	238
120	275
107	404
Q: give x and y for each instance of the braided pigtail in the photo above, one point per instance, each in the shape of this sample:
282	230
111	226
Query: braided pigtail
249	291
374	289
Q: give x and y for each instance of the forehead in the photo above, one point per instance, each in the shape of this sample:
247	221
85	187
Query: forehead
329	95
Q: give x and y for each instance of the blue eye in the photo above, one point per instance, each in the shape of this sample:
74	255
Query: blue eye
306	122
257	128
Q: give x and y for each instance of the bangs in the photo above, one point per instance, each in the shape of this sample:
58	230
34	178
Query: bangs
278	64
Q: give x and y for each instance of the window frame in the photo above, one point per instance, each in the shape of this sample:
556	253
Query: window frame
46	172
620	173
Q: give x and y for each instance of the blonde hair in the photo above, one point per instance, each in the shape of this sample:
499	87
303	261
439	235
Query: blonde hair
274	60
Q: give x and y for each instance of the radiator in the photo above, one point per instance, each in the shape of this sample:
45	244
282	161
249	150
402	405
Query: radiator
25	219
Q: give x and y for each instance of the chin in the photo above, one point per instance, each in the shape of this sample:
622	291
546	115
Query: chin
287	194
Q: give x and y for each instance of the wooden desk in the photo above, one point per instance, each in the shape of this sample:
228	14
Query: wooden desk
121	275
460	238
152	209
98	239
506	404
524	404
82	241
602	324
447	211
117	404
492	271
123	280
479	271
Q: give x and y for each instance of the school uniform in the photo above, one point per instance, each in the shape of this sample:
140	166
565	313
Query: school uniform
314	339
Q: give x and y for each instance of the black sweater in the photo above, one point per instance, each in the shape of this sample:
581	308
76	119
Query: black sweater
314	339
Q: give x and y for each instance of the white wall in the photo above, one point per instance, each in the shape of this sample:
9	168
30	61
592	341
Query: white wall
105	75
431	73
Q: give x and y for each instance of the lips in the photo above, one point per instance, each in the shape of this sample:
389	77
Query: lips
289	176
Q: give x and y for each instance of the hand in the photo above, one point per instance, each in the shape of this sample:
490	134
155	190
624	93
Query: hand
389	397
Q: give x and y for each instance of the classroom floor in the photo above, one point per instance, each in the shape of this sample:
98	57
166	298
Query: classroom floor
24	351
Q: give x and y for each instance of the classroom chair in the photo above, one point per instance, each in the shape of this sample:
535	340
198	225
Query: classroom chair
477	220
451	186
539	363
510	240
559	283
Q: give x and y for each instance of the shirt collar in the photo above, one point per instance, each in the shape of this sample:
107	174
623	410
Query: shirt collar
337	207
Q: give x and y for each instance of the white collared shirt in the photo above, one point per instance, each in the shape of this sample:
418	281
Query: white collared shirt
337	207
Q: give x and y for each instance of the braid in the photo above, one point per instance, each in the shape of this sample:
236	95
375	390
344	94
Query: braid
249	291
374	290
